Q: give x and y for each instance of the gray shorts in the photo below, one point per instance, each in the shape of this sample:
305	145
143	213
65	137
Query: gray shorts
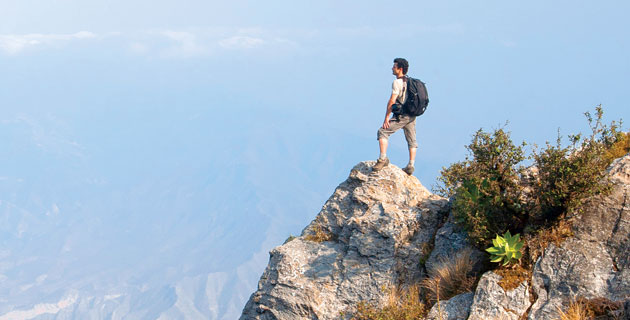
407	123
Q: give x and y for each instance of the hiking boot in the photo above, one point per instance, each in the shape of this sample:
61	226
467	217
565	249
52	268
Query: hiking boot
380	163
408	169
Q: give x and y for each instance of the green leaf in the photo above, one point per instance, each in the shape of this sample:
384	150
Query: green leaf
493	250
497	259
500	241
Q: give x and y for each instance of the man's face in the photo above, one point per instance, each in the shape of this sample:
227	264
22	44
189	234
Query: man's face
395	70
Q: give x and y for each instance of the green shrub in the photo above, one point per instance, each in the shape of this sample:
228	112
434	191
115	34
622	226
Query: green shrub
568	175
485	187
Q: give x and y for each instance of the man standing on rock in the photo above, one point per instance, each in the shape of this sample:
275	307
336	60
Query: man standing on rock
398	120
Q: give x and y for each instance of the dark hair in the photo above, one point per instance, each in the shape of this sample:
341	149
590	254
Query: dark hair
402	63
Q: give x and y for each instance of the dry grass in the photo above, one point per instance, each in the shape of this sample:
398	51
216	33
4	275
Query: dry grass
512	277
577	311
538	242
452	277
618	149
401	305
597	308
601	306
319	233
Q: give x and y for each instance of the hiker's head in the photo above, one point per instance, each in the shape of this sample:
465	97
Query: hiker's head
400	63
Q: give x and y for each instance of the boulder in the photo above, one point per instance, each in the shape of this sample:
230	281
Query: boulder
374	227
491	301
595	263
455	308
449	240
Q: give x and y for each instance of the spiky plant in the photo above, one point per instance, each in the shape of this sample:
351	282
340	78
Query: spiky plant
506	248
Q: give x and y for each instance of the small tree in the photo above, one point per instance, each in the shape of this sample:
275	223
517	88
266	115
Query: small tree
485	187
568	175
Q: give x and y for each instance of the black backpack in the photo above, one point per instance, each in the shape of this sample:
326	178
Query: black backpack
417	98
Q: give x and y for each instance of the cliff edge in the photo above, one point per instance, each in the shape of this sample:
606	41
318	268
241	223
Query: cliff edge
385	229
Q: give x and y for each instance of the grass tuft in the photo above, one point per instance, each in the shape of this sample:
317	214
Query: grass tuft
401	305
450	278
319	234
576	311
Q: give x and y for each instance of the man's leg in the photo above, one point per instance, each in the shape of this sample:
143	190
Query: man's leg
410	135
383	136
382	144
412	155
382	159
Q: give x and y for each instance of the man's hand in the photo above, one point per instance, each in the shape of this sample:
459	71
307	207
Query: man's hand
390	103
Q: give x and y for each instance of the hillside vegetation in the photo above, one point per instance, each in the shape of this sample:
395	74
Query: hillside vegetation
493	193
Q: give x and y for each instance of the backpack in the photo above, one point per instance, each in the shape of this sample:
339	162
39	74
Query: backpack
417	98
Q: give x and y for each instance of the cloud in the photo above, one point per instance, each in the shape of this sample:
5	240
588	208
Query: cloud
186	44
14	43
241	42
205	41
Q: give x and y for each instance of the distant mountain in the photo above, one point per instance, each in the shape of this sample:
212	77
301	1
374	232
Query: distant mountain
170	216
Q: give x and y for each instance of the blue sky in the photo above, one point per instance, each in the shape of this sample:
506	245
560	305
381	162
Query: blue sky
538	63
148	138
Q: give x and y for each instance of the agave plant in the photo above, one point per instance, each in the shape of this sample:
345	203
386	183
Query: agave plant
506	248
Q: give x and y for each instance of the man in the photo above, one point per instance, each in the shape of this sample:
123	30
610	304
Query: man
399	119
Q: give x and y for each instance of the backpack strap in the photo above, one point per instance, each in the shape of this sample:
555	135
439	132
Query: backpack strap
405	81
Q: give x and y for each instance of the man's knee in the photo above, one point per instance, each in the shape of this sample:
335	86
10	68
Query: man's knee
382	134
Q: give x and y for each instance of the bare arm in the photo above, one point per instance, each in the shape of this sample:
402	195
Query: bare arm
390	103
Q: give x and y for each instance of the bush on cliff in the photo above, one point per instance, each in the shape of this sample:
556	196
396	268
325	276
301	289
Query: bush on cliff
490	194
569	175
485	187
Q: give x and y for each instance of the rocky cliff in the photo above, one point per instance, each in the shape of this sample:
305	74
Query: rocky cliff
382	230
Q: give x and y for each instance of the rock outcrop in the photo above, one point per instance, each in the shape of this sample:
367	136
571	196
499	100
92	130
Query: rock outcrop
491	301
595	263
379	226
385	229
456	308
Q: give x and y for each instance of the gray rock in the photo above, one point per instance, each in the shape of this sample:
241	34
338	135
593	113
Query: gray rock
492	302
455	308
379	226
448	241
595	263
377	223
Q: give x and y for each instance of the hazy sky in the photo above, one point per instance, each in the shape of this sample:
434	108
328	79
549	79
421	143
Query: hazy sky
538	65
149	141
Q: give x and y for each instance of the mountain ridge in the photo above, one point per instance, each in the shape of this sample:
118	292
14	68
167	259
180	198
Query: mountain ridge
384	229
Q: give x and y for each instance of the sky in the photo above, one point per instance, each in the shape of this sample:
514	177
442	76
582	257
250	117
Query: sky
484	63
150	137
